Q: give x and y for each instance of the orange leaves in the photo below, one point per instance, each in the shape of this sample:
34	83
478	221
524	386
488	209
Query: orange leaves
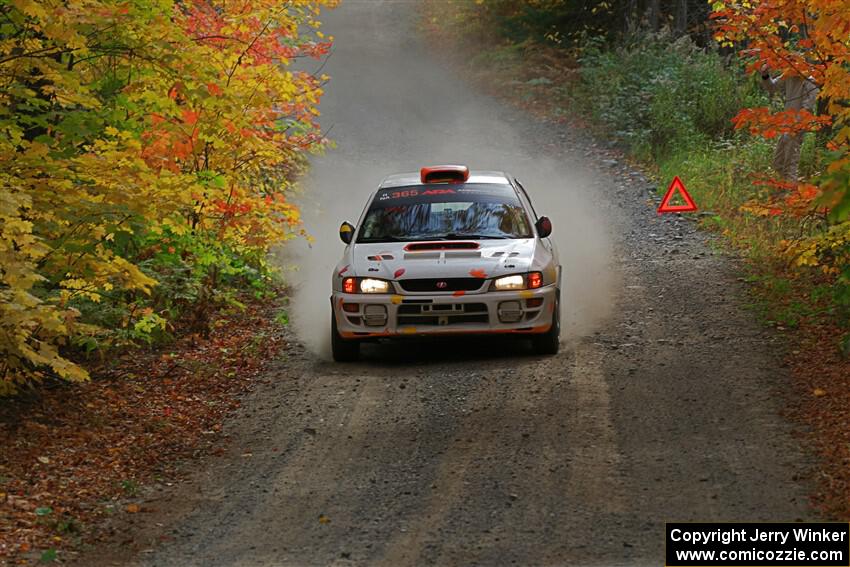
78	454
795	39
207	122
169	142
762	122
190	117
247	30
795	199
230	210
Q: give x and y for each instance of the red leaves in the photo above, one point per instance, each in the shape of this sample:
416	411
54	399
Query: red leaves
168	142
77	450
762	122
823	406
232	208
794	40
258	42
796	199
190	117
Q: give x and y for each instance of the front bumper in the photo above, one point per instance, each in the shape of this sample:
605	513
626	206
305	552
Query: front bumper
360	316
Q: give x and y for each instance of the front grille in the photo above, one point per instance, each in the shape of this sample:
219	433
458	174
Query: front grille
433	284
442	314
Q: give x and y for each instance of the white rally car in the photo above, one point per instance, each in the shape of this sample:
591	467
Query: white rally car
443	252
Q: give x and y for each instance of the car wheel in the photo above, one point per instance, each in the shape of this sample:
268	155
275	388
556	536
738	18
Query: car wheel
343	350
550	341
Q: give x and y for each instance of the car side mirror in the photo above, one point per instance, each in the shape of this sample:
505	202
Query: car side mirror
346	232
543	226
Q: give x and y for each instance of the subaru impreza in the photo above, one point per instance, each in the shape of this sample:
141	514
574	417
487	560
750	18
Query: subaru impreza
446	251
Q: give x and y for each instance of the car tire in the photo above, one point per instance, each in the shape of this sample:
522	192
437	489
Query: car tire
343	350
550	341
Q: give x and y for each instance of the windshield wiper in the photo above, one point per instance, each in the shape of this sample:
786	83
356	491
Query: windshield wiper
465	235
384	239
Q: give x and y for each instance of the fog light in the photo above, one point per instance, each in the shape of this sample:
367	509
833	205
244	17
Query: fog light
375	315
510	311
534	302
350	307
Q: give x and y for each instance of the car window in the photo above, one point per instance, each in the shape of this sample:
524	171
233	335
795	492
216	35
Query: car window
443	212
527	198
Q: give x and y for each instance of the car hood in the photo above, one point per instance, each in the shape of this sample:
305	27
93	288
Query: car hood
392	261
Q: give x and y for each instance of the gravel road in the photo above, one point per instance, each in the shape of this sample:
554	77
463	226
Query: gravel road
664	404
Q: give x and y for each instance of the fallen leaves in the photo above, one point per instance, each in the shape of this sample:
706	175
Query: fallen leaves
823	407
72	453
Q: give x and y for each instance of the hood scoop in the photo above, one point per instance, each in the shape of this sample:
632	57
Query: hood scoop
422	246
462	254
423	255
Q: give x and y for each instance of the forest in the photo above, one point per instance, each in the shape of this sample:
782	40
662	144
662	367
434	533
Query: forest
746	101
151	155
148	152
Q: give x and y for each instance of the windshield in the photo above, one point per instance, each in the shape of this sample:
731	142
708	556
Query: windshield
475	211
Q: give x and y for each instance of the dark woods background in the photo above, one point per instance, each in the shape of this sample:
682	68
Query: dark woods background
567	23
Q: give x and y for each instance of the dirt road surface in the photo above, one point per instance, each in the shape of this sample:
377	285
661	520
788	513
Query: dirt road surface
664	404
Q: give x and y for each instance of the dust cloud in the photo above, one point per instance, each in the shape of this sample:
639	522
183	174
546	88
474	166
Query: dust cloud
392	107
337	191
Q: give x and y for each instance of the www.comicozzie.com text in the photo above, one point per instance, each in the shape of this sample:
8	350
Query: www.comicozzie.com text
726	536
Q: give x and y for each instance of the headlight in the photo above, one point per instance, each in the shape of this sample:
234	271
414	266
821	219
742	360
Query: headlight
510	282
531	280
365	285
370	285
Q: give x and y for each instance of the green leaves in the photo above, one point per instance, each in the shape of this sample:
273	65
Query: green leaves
136	150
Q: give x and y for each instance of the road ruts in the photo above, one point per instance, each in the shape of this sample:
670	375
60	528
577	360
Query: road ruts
664	408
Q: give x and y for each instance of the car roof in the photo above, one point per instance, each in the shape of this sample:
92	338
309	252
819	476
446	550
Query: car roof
413	178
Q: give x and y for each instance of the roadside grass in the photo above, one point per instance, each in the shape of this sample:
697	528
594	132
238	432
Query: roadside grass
668	106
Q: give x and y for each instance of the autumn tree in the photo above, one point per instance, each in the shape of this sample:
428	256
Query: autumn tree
808	39
135	137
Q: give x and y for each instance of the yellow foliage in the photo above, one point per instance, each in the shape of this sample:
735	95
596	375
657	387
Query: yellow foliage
830	250
125	121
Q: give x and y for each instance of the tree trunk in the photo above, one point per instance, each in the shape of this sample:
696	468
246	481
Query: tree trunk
631	17
680	23
653	13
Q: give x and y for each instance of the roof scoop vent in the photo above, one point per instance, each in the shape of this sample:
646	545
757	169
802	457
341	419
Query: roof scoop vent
421	246
444	174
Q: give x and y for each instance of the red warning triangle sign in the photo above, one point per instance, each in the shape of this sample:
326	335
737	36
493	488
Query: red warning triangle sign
677	187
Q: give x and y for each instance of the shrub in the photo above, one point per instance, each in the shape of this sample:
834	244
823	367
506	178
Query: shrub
656	95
